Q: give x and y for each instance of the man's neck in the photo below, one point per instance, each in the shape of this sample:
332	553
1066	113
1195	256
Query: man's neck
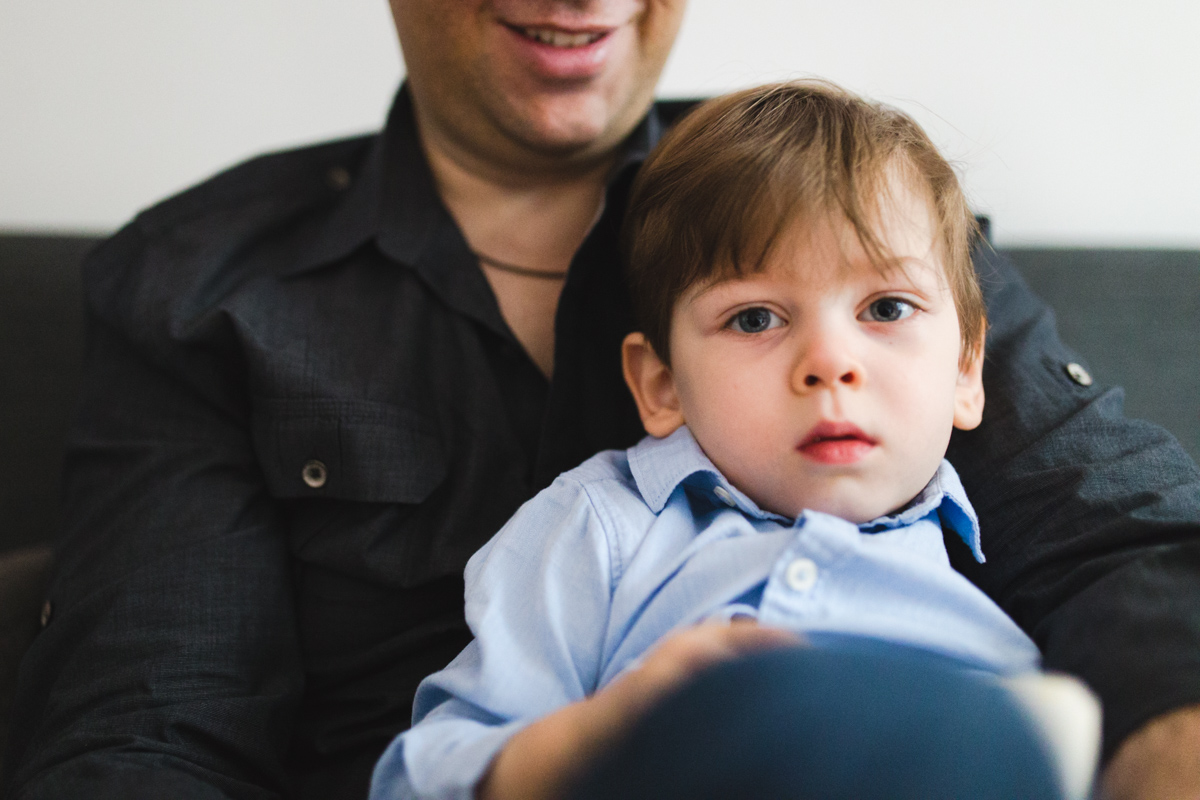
533	216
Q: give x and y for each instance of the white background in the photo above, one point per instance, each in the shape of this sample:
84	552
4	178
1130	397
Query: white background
1076	122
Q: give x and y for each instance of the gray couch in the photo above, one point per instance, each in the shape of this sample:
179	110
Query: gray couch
1133	315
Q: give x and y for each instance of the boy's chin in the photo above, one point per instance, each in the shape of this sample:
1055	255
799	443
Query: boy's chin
868	495
852	509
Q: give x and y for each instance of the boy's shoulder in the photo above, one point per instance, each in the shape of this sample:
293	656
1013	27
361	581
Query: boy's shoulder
606	484
625	491
595	506
607	466
606	488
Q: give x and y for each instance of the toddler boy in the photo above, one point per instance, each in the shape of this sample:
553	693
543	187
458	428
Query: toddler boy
811	329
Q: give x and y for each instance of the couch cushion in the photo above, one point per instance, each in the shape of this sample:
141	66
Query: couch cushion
41	351
23	577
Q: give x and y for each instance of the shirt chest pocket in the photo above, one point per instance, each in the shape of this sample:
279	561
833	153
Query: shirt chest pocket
347	450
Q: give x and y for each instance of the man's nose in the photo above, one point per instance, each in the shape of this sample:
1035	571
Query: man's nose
826	361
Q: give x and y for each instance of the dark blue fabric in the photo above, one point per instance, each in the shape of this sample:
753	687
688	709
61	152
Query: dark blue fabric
859	719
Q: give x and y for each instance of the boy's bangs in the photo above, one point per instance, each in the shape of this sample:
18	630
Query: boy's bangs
743	239
734	230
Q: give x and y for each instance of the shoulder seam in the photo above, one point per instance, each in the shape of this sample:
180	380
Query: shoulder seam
247	181
608	525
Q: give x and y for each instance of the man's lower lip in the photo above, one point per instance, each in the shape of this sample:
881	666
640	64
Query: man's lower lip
564	63
836	451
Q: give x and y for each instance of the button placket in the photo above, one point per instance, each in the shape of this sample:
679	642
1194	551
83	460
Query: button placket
801	575
791	598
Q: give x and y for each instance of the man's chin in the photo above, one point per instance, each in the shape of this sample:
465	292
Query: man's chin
580	127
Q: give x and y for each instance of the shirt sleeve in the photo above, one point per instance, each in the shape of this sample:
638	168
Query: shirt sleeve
537	601
1091	521
170	664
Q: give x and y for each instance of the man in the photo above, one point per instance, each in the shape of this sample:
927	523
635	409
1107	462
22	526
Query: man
317	383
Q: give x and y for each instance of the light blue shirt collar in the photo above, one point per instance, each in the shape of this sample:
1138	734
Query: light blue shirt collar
659	466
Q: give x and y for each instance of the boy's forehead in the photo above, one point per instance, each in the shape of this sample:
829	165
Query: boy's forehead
830	254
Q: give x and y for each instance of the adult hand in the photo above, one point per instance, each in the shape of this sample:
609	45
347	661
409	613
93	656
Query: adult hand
682	656
538	762
1159	761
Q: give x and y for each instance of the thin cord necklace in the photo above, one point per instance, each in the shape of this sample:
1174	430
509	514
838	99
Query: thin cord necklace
504	266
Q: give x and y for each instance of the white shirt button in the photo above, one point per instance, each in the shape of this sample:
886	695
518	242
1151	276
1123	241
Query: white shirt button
314	474
1078	374
724	496
801	574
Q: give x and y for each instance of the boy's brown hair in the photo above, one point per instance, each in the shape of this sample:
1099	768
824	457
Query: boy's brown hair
733	175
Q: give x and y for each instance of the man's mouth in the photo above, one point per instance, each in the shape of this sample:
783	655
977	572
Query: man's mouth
559	52
560	38
836	443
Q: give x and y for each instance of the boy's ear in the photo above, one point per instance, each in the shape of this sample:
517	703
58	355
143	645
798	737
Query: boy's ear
968	394
652	385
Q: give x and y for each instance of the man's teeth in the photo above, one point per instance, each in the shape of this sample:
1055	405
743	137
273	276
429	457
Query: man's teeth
561	38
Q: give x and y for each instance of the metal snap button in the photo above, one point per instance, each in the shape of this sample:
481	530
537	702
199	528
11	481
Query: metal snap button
1078	374
724	496
47	612
314	474
801	574
339	178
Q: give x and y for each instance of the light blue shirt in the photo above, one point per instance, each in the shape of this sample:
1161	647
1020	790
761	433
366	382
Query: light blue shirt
629	546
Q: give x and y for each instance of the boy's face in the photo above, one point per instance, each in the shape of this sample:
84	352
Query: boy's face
819	382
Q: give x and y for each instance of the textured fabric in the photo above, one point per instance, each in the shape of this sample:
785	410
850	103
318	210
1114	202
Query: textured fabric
614	555
223	629
1091	520
1135	316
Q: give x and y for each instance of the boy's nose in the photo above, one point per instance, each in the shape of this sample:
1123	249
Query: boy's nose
849	378
826	364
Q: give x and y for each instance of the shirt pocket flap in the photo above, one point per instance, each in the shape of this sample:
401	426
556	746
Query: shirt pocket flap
348	450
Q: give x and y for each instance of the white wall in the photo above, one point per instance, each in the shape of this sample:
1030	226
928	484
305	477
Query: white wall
1076	122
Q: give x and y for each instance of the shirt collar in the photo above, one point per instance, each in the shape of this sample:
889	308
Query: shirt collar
393	201
659	466
945	496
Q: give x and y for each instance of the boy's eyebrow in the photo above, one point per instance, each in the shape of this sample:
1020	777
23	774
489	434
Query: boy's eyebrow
886	267
713	282
889	266
905	266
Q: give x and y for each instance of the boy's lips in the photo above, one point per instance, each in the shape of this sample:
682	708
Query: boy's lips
835	443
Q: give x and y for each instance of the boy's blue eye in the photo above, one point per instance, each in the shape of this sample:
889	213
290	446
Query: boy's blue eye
754	320
889	309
